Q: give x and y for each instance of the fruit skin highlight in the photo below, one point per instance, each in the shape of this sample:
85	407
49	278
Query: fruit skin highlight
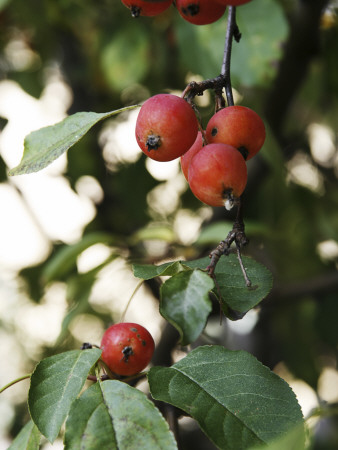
217	175
166	127
238	126
127	348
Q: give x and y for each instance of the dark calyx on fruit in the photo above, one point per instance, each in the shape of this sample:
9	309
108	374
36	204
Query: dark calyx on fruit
191	10
153	142
127	351
135	11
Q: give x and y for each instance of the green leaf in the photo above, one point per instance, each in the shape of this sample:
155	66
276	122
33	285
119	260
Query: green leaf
293	440
64	260
3	4
234	292
43	146
89	425
114	415
230	280
27	439
236	299
55	383
236	400
148	271
185	303
122	72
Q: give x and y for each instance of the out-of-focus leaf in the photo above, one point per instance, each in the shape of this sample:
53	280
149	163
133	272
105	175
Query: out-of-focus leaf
78	291
155	231
264	29
236	400
112	415
4	3
64	261
216	232
55	384
185	303
43	146
124	60
27	439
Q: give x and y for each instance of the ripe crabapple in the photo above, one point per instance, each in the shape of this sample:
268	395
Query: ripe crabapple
146	7
187	156
127	348
217	175
200	12
238	126
166	127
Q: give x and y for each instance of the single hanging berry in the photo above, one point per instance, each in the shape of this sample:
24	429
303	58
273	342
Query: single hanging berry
166	127
217	175
127	348
238	126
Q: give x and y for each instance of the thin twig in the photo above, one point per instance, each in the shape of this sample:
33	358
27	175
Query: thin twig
137	287
222	81
225	71
236	235
245	275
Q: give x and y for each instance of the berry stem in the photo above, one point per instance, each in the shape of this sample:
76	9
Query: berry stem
137	287
236	235
222	81
232	32
11	383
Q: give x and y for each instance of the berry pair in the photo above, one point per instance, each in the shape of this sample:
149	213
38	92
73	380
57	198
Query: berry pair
197	12
166	127
217	172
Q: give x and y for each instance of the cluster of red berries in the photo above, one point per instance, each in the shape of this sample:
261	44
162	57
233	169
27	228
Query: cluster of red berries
198	12
213	161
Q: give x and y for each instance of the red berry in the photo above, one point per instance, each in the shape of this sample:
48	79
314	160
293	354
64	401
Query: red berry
166	127
200	12
233	2
127	348
217	175
186	158
238	126
146	7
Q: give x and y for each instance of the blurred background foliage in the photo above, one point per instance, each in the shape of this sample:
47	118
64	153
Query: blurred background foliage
68	234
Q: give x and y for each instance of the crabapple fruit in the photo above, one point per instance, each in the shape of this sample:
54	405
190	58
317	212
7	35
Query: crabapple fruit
146	7
127	348
238	126
200	12
166	127
187	156
217	175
